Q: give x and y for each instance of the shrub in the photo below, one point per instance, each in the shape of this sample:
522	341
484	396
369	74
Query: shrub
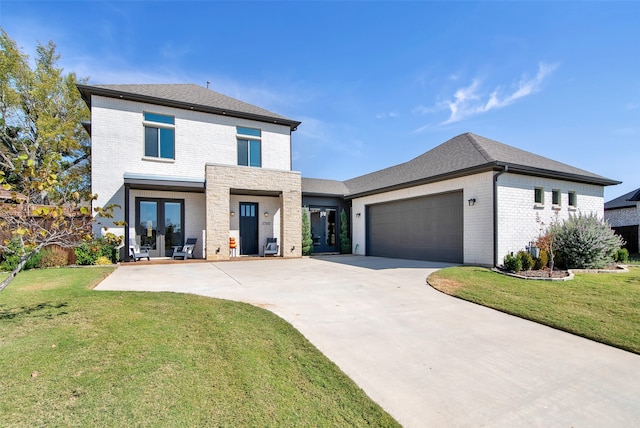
526	261
345	244
10	258
307	242
106	246
541	261
54	257
585	242
102	260
512	262
622	255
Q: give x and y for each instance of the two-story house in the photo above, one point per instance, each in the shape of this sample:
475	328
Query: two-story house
181	161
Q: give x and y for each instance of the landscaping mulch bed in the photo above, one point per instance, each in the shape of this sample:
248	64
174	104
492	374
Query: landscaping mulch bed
543	273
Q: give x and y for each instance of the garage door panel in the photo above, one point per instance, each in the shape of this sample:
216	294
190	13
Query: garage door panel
426	228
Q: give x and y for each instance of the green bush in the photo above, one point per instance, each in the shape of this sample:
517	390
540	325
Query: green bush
307	242
512	263
622	255
526	261
10	258
345	244
585	242
106	246
541	261
54	257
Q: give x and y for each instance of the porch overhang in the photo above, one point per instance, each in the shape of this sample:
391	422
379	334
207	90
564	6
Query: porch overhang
155	182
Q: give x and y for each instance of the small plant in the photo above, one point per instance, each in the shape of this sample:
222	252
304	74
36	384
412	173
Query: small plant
103	261
525	260
106	246
53	257
512	263
622	255
541	261
307	241
345	244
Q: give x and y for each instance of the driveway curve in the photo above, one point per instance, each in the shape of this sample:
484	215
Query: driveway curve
429	359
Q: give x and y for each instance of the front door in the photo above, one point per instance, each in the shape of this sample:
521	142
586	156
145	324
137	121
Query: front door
323	229
248	228
159	225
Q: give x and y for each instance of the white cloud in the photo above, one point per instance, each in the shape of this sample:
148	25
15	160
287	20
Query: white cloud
470	100
390	114
474	99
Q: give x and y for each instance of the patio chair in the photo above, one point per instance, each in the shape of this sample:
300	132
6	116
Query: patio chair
272	247
186	251
135	252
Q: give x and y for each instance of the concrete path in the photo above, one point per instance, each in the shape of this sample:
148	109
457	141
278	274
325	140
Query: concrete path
429	359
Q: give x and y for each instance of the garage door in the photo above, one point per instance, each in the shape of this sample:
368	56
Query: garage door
425	228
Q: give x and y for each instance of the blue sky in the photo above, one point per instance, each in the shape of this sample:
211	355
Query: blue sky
378	83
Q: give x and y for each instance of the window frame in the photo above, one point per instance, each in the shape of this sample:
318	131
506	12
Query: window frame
535	196
248	142
556	194
572	194
164	125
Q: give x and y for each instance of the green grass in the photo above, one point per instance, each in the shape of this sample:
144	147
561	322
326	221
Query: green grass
602	307
71	356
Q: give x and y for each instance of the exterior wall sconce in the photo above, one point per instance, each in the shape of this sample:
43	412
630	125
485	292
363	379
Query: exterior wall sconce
472	202
232	213
266	214
358	215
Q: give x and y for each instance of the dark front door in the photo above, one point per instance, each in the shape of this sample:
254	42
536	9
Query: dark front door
248	228
323	229
159	225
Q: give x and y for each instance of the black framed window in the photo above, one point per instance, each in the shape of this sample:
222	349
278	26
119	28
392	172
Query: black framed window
159	136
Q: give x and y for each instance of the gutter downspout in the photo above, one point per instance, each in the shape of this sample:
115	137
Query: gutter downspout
495	213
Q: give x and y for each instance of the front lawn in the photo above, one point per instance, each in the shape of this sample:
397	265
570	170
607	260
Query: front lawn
602	307
73	356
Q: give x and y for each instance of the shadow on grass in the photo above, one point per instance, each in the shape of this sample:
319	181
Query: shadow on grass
10	313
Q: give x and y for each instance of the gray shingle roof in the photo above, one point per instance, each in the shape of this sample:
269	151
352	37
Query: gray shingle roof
464	154
319	186
186	96
624	201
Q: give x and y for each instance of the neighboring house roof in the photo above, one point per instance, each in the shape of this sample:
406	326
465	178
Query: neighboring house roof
462	155
322	187
186	96
625	201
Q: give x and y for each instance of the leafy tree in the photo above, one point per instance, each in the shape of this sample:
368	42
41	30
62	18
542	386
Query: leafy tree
345	244
307	241
44	155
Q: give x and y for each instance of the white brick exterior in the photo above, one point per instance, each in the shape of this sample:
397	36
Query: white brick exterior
517	212
117	135
478	219
628	216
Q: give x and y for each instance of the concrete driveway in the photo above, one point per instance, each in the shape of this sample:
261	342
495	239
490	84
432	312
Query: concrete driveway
429	359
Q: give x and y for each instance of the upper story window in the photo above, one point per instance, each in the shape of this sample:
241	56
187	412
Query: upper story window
249	146
159	136
538	196
555	197
573	199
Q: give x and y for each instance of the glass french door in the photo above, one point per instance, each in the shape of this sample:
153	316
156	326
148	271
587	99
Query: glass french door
323	229
159	225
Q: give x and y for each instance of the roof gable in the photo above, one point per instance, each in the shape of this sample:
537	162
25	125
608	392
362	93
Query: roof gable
186	96
464	154
625	201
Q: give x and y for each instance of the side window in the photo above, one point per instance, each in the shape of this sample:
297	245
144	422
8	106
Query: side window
538	196
249	146
159	136
573	199
555	197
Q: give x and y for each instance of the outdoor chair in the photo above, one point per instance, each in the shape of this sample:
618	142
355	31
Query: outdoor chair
186	251
135	252
272	247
